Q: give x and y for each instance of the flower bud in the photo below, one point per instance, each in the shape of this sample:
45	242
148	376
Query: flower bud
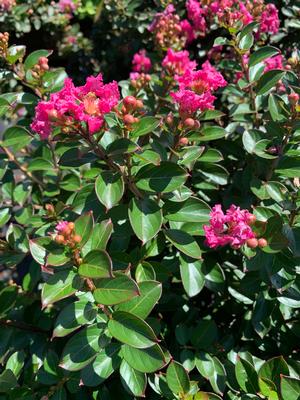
251	219
262	242
252	243
170	119
293	98
189	123
139	104
59	239
71	225
130	102
183	141
77	238
128	119
49	208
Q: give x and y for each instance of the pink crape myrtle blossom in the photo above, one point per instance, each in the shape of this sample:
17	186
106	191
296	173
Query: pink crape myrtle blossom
188	31
274	63
196	13
67	6
208	78
140	62
195	89
7	5
232	228
178	62
269	21
72	105
189	102
61	226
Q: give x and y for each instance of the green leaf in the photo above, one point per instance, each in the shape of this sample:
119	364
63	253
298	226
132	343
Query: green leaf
134	382
131	330
262	54
213	370
161	179
145	217
191	210
193	279
15	53
106	362
109	188
99	237
4	216
273	369
142	305
121	146
7	381
8	297
183	242
144	272
82	348
246	376
210	133
277	107
206	396
84	227
59	286
16	362
73	316
290	388
16	137
96	264
40	164
177	378
116	290
144	126
269	80
46	251
144	360
246	42
33	58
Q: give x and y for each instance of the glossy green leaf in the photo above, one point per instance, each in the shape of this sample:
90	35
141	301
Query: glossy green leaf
84	227
59	286
246	376
144	360
290	388
96	264
109	188
33	58
116	290
134	381
191	210
46	251
177	378
183	242
144	126
262	54
145	217
193	279
273	369
269	80
131	330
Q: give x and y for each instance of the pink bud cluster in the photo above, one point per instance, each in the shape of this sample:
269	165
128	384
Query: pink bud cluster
169	31
230	12
196	88
72	106
232	228
178	62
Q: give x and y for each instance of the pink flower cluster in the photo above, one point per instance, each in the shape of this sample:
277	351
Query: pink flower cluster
72	105
140	62
229	12
178	62
195	89
274	63
67	6
232	228
7	5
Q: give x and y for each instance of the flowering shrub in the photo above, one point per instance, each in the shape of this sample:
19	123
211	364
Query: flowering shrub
150	226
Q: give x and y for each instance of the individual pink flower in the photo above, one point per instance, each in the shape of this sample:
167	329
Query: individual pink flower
274	63
232	228
269	21
140	62
7	5
177	62
71	106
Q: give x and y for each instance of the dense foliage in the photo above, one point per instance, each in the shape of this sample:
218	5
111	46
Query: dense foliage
150	209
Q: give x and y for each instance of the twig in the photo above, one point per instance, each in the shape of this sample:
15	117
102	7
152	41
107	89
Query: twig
22	326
